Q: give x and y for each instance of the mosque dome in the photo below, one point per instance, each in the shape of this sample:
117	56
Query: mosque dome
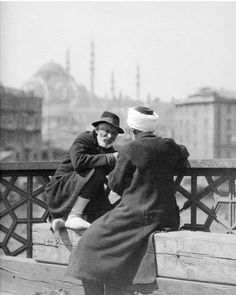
54	84
51	68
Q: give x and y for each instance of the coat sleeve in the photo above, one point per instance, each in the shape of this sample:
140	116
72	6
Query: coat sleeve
83	159
178	153
182	162
120	178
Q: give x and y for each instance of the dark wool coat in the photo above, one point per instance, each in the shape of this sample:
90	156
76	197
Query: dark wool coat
112	248
83	157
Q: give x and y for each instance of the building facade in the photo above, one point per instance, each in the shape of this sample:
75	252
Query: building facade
60	95
68	108
206	124
20	125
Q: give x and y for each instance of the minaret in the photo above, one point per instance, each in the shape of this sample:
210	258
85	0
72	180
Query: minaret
67	96
120	96
148	99
68	61
138	83
112	85
92	70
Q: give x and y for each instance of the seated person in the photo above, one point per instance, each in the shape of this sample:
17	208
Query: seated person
77	188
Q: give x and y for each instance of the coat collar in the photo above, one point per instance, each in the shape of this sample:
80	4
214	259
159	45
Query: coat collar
94	137
145	134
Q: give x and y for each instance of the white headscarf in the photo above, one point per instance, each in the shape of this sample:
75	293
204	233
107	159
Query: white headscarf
140	121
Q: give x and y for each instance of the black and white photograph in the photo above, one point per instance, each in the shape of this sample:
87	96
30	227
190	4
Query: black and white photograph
117	147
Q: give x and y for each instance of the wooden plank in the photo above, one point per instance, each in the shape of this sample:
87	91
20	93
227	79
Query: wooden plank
182	287
196	256
196	268
53	247
213	244
185	255
42	233
165	286
24	276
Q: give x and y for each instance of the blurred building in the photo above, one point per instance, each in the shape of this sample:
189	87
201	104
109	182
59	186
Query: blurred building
206	123
69	108
166	120
60	95
20	125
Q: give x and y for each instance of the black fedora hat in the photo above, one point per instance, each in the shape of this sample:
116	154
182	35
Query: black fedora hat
110	118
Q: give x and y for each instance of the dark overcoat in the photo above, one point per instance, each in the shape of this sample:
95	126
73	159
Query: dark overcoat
112	248
83	158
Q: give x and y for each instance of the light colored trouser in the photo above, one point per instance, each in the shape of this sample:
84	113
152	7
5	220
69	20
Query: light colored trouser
79	206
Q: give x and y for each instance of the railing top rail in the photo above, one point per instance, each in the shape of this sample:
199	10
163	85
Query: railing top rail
213	163
194	163
21	166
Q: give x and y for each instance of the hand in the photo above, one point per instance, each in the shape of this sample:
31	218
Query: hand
115	154
111	158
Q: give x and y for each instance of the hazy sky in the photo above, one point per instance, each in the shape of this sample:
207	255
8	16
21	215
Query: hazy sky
180	46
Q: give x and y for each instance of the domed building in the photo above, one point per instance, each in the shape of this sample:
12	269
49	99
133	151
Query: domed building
62	99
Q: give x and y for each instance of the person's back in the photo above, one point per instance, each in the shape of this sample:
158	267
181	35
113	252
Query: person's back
154	160
144	177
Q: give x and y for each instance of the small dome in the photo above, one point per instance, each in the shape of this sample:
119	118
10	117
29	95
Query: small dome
51	68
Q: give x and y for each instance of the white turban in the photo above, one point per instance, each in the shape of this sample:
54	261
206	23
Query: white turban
141	121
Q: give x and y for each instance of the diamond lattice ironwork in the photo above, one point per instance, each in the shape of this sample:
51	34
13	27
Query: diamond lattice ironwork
216	199
23	203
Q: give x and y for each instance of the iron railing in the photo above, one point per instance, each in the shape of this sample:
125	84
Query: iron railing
205	195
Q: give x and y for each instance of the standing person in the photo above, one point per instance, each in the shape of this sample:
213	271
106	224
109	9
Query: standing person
111	251
77	188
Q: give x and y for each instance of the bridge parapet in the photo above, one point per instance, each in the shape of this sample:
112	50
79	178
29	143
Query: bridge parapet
205	194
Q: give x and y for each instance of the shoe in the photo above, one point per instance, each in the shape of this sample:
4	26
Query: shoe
75	222
57	224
